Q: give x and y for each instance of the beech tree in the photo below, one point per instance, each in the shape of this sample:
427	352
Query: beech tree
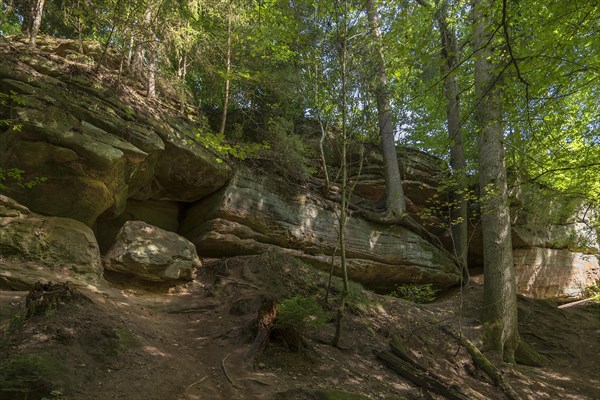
394	193
448	72
500	297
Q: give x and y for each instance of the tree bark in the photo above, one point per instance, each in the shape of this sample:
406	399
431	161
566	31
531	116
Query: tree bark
35	21
394	197
459	207
227	72
420	376
500	301
344	192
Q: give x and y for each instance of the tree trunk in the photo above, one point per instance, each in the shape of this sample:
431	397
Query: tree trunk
152	75
227	72
35	21
152	59
394	197
500	301
130	50
344	192
459	207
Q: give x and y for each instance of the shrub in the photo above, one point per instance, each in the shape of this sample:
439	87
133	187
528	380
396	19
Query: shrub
593	292
415	292
300	313
287	152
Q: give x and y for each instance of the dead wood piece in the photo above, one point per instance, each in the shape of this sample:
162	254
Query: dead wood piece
267	315
45	297
483	363
419	377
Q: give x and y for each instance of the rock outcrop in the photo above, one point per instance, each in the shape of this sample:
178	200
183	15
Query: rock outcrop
152	254
95	144
37	248
103	155
554	274
253	214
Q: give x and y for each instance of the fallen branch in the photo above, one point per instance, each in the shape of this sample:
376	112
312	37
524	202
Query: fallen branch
575	303
483	363
193	384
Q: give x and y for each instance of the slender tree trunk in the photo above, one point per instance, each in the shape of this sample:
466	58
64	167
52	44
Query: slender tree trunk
459	206
394	201
227	72
184	66
152	59
500	301
152	75
36	21
344	204
130	50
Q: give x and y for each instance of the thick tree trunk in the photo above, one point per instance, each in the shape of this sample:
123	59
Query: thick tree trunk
395	201
500	301
459	208
35	21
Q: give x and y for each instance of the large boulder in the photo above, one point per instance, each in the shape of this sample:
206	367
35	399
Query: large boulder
37	248
152	254
162	214
94	144
253	214
554	274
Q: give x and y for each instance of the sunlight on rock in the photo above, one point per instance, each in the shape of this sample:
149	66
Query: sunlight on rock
373	238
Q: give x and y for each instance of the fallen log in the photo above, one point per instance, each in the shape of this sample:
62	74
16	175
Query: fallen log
483	363
420	376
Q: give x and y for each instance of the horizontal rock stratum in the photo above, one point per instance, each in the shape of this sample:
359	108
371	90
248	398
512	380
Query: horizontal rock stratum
253	214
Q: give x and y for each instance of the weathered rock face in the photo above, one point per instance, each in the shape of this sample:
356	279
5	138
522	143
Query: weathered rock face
546	218
554	274
152	254
95	144
37	248
251	215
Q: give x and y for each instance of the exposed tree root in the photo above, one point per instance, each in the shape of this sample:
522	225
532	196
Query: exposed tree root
227	373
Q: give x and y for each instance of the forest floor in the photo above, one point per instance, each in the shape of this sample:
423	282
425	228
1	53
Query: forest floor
128	340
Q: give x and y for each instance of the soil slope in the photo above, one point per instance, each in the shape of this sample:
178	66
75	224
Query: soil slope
133	341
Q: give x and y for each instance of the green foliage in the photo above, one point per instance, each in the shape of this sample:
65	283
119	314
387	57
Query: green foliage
15	176
415	292
218	143
440	208
30	377
300	314
287	152
55	395
593	292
